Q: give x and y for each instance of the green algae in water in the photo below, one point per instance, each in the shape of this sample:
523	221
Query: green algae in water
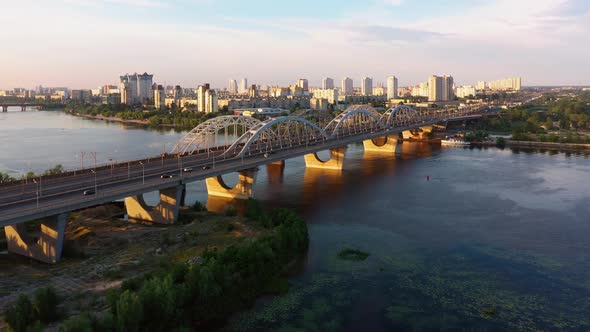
353	255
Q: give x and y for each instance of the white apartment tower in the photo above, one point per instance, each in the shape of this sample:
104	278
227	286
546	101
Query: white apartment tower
159	98
202	98
233	87
367	86
440	88
327	83
136	88
212	103
243	88
347	86
392	87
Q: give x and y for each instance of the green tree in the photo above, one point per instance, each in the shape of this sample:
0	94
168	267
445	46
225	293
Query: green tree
5	178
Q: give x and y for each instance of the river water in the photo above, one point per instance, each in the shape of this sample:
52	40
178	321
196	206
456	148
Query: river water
458	238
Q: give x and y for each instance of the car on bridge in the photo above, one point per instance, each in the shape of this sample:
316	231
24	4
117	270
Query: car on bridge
205	167
166	176
89	192
187	170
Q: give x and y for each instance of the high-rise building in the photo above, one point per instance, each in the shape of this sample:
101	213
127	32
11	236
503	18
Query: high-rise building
202	98
441	88
481	85
303	84
177	94
136	89
159	97
347	86
233	87
466	91
367	86
392	87
327	83
507	84
81	95
212	103
243	86
252	91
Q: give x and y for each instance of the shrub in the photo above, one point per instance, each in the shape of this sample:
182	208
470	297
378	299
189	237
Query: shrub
21	314
231	211
45	302
199	207
129	312
500	142
81	323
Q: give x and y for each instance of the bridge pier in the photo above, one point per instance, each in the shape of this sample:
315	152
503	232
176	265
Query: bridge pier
4	108
47	248
387	144
243	189
336	161
23	108
166	212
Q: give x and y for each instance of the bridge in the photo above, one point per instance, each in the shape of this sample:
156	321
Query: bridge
219	146
23	106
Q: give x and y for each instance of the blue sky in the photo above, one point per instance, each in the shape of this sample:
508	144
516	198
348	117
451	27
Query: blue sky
86	43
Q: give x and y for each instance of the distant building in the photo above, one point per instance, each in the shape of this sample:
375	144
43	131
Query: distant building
212	103
466	91
507	84
440	88
81	95
111	98
392	87
177	94
329	94
367	86
159	98
327	83
303	84
481	86
253	91
202	98
233	87
319	104
347	86
243	86
136	89
267	111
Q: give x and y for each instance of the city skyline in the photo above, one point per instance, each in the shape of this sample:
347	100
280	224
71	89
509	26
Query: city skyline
525	39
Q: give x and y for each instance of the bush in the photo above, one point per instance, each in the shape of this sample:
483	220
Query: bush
199	207
205	295
21	315
500	142
45	302
231	211
81	323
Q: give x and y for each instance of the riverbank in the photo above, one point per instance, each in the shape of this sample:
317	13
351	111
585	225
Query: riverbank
548	145
106	257
111	118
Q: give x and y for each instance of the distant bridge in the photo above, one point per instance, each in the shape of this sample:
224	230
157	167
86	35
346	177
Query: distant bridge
23	106
205	153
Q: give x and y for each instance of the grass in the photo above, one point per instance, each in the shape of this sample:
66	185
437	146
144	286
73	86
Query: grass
353	255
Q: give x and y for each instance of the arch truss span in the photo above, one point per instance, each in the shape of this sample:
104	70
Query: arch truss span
400	116
356	119
319	117
277	134
219	131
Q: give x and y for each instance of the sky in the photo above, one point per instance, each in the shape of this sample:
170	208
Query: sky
87	43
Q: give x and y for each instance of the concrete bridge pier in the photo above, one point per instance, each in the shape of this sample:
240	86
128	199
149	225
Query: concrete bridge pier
166	212
420	133
336	161
23	108
47	247
387	144
4	108
243	189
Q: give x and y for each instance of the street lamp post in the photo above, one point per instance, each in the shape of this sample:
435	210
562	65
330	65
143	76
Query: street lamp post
37	183
95	182
142	172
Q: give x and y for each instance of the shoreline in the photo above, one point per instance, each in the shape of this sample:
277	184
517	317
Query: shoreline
144	123
549	145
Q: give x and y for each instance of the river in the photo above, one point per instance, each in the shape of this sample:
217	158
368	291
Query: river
458	238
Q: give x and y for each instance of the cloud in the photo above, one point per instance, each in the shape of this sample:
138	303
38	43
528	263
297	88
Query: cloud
131	3
392	2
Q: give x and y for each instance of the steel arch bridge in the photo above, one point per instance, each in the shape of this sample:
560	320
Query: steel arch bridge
400	115
277	133
211	133
355	119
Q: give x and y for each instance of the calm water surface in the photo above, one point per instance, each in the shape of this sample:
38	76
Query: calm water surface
495	240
